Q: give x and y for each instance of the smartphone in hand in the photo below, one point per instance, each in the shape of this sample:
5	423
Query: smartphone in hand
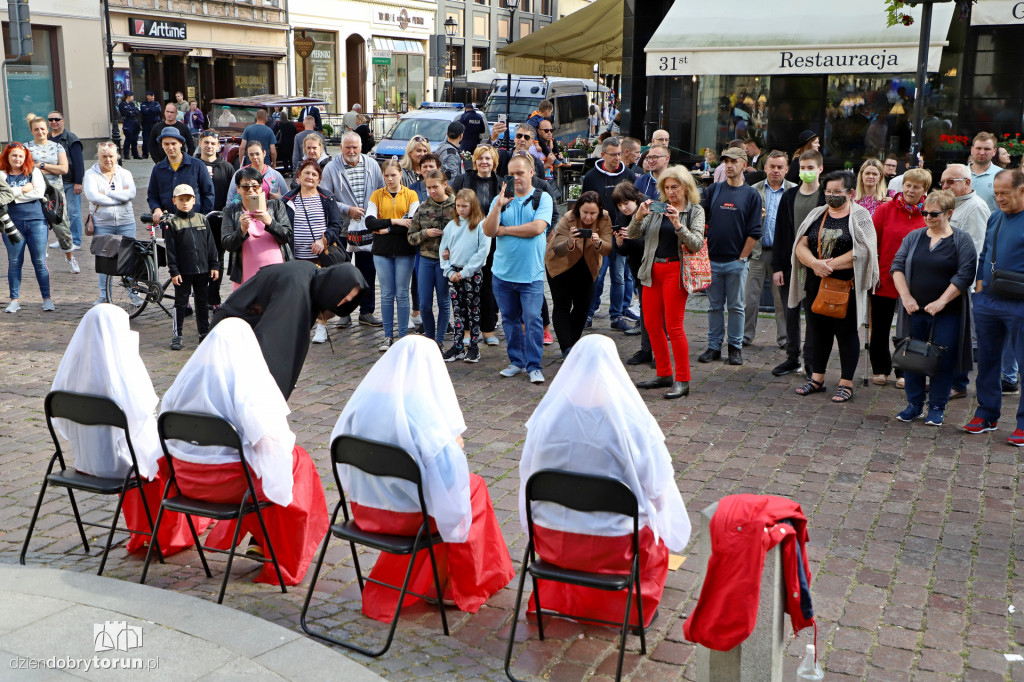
585	233
658	207
510	186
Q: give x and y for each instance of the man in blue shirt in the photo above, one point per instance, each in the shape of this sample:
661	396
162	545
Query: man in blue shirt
518	226
771	190
999	317
261	132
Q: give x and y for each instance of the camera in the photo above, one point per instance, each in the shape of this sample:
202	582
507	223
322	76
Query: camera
8	225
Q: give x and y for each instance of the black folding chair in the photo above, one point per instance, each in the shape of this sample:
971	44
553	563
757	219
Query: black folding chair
208	430
89	410
584	493
377	459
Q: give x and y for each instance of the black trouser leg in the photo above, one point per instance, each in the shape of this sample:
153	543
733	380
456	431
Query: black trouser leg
200	293
364	263
821	330
181	294
571	295
882	311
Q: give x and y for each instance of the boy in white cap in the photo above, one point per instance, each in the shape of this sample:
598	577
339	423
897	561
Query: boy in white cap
191	259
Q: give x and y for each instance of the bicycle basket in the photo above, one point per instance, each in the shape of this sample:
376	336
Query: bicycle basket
129	255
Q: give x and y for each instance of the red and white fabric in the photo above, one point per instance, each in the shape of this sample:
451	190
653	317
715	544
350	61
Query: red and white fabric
407	400
593	421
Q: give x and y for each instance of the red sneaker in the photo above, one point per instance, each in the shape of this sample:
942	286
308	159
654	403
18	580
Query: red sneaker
979	425
1016	438
548	338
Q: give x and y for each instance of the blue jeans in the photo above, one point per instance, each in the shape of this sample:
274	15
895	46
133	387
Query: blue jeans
126	230
616	263
430	278
394	275
728	282
998	322
1008	370
520	304
947	333
74	202
34	233
628	286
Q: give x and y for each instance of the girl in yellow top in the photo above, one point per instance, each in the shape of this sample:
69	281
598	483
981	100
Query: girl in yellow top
388	216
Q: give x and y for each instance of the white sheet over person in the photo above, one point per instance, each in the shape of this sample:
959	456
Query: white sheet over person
103	358
593	421
407	399
227	377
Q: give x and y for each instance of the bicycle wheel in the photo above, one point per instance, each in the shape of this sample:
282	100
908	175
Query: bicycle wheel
130	292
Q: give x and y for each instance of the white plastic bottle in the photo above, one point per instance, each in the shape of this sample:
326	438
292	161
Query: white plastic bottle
809	668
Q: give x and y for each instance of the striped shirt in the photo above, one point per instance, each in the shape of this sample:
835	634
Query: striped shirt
309	224
357	178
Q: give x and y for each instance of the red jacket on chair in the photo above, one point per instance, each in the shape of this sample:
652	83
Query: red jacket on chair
743	529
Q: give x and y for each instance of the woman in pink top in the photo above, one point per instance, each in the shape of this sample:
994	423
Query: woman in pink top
870	191
893	220
254	239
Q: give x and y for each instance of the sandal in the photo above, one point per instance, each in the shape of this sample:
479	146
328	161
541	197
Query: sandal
880	379
843	394
810	387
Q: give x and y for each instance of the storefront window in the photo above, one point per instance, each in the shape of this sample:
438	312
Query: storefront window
318	77
730	107
30	82
251	78
401	85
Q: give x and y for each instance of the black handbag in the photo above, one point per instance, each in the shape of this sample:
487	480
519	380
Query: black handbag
1005	283
917	355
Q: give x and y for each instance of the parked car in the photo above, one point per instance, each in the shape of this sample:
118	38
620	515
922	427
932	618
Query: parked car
231	115
430	120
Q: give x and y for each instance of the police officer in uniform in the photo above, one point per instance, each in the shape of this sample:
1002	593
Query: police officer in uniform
475	126
151	113
130	123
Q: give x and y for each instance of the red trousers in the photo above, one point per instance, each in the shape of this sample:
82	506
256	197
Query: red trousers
174	534
665	302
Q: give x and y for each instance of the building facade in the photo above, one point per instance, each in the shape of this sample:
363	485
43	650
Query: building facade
205	49
63	72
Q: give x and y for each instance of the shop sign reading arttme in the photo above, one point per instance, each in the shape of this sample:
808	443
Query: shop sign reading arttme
152	28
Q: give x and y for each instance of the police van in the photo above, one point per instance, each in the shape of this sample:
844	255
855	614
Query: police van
571	98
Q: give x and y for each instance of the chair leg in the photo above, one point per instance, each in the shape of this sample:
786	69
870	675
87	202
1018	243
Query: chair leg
113	527
355	562
312	584
437	586
199	545
640	610
149	520
78	519
32	524
231	553
149	552
536	600
515	618
625	627
270	549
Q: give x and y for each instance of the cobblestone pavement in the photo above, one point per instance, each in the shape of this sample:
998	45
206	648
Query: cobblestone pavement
913	543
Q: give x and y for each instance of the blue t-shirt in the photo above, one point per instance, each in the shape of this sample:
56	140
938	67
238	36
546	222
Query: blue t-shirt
260	133
521	259
1009	251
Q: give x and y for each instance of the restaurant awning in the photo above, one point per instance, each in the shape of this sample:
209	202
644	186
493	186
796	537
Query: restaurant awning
750	37
571	46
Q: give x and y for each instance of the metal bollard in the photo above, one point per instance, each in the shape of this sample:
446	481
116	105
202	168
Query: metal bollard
758	658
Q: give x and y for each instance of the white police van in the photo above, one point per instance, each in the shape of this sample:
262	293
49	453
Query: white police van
571	98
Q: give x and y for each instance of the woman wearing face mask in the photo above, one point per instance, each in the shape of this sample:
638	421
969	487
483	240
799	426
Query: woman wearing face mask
838	241
870	189
893	220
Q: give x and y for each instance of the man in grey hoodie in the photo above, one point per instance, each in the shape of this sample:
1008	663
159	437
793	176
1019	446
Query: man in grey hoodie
352	177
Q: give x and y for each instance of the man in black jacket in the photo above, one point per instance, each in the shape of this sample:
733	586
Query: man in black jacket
150	114
796	203
156	150
602	178
221	173
176	169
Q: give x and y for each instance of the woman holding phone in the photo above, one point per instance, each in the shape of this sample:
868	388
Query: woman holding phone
255	231
576	248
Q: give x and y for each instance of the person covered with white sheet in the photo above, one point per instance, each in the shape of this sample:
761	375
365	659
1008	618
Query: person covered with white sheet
227	377
407	400
103	358
593	421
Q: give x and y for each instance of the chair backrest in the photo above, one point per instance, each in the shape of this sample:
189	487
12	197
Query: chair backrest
376	459
584	493
86	409
205	430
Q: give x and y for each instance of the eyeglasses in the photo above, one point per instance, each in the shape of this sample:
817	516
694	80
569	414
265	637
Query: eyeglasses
656	156
418	138
946	183
248	187
932	214
545	130
523	136
54	120
612	154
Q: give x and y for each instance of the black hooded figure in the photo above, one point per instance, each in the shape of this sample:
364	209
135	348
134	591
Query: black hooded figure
281	304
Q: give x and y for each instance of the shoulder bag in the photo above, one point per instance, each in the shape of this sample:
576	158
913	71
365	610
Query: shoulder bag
333	254
917	355
833	299
694	268
1005	283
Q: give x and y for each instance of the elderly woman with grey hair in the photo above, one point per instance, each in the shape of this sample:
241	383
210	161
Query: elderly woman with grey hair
110	189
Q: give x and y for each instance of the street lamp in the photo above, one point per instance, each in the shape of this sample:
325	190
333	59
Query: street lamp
511	6
450	27
597	97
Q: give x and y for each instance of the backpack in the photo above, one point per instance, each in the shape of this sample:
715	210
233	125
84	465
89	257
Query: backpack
535	201
53	205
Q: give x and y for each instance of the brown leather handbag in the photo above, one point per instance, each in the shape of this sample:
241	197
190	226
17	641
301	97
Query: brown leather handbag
833	299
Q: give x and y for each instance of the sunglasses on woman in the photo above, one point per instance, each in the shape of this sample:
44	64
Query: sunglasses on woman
932	214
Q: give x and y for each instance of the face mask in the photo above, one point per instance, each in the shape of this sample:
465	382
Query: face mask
808	176
835	201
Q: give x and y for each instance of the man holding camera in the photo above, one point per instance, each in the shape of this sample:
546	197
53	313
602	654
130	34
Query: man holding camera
176	169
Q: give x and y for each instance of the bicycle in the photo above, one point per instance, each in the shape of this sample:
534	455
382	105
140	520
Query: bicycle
133	292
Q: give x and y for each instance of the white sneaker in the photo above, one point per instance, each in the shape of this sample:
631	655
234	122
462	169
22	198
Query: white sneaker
320	335
48	305
511	371
416	320
73	266
635	309
13	307
55	245
135	299
536	377
76	247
